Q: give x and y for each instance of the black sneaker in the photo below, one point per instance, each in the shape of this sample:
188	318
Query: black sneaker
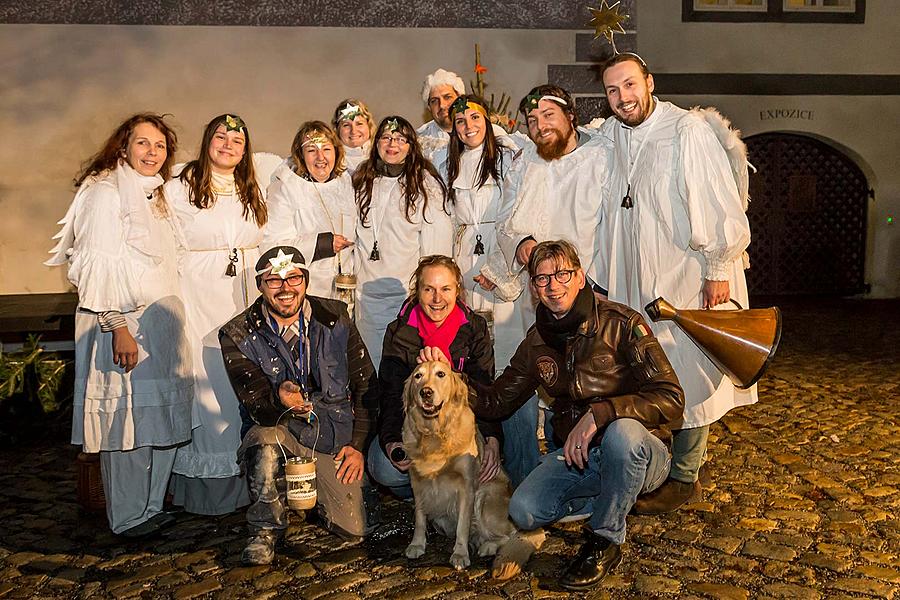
260	550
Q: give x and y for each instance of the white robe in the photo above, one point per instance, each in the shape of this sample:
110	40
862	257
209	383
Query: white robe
212	298
687	225
432	139
121	255
353	157
557	199
475	213
383	284
299	210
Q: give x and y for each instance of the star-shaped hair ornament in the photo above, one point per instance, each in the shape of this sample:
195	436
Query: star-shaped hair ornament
234	123
349	112
315	138
284	264
392	125
607	22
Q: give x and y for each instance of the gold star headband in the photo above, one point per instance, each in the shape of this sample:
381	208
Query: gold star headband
235	123
462	105
349	112
315	138
607	22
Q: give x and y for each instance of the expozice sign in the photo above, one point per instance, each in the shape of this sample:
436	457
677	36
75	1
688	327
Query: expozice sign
785	113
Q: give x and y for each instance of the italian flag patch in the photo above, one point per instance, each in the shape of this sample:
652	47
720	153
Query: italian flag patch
641	330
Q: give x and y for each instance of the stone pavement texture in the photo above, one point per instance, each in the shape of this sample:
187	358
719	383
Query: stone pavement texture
803	502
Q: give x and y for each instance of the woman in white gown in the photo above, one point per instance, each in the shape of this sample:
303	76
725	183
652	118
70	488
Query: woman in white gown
220	212
355	127
402	217
474	165
133	380
311	207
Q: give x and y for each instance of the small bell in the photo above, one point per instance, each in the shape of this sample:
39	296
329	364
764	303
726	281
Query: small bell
627	202
375	254
231	270
479	247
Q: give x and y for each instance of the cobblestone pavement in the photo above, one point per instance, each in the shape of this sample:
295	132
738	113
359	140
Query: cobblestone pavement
804	502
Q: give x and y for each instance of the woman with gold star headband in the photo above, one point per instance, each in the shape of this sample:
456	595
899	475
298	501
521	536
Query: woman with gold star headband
355	127
312	208
403	216
475	163
218	201
133	381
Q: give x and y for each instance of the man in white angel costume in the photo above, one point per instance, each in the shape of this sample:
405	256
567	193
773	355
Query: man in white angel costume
673	225
439	91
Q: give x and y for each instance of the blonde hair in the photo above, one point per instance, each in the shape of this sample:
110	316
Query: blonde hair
437	260
311	128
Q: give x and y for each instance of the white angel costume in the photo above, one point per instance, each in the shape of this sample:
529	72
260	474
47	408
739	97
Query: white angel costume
300	211
382	285
553	200
120	247
353	157
687	225
206	477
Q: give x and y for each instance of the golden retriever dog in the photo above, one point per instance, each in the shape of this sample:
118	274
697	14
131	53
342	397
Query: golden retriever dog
445	447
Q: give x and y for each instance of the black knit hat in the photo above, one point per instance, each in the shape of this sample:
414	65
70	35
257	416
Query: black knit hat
282	256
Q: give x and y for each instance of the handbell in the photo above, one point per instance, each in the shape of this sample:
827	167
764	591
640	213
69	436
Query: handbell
740	342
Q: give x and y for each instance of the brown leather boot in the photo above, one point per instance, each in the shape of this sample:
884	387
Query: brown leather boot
666	497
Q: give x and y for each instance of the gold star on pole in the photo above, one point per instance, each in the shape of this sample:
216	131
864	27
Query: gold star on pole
607	21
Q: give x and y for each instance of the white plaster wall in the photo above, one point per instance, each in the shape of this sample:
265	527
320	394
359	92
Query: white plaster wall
63	88
867	126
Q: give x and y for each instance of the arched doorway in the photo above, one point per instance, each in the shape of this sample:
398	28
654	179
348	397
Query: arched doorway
807	215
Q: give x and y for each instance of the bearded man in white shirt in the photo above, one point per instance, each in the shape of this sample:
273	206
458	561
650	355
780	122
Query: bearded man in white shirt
673	225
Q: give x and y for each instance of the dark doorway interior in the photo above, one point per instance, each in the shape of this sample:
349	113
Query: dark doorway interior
807	214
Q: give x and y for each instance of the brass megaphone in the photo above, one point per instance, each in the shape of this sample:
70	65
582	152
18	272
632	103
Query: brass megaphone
740	342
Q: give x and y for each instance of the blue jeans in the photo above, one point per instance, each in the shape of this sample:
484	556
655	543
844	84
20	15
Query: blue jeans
382	470
520	445
629	461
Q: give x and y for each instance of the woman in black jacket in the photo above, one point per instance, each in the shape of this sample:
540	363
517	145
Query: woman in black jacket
433	315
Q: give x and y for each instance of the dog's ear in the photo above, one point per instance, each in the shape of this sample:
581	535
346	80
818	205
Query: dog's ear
461	388
407	392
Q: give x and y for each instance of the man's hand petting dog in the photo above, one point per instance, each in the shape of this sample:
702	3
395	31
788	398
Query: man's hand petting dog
291	396
490	460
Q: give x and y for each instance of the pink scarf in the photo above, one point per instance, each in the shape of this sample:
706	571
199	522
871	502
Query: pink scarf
438	335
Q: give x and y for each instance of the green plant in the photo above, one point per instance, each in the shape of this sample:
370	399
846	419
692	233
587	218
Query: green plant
34	373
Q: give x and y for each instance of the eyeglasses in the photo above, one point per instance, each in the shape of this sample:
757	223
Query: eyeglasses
276	283
399	139
562	276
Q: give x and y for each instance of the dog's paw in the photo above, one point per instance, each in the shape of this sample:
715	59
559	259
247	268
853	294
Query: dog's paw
414	551
488	549
460	560
505	570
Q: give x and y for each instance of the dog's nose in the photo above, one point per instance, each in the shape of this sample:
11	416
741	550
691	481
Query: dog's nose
426	393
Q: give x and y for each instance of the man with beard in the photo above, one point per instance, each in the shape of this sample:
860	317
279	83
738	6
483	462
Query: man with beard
307	388
439	91
554	191
674	226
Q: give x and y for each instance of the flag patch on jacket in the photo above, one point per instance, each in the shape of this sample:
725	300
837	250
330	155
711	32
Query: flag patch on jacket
641	330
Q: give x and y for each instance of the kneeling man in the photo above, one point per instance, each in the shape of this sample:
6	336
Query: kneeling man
305	383
611	384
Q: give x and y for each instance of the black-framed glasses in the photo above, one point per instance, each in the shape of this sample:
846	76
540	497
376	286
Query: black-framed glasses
562	276
276	283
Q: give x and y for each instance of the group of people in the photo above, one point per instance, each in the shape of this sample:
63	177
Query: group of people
241	309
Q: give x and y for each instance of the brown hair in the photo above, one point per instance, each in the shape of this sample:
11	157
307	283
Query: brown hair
436	260
114	147
559	251
311	128
197	175
364	111
491	164
551	90
412	179
621	57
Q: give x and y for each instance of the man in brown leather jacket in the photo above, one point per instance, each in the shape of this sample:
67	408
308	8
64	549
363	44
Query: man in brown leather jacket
611	383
